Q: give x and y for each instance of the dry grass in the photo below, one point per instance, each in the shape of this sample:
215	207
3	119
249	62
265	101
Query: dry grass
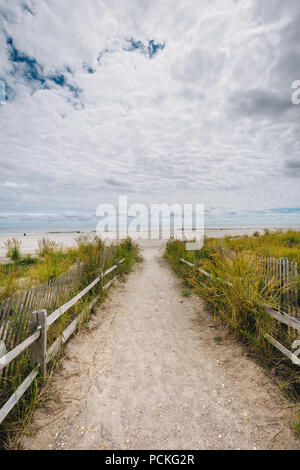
236	292
13	246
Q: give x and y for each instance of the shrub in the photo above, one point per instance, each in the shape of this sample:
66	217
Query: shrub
236	291
13	246
27	261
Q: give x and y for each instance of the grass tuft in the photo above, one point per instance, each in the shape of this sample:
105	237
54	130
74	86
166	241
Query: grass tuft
238	288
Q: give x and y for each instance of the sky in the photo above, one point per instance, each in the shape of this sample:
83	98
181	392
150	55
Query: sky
166	101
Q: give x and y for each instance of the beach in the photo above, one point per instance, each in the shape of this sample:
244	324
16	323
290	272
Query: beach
29	242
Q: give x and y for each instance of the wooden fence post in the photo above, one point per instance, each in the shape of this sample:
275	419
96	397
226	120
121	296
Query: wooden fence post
38	351
118	266
101	281
78	263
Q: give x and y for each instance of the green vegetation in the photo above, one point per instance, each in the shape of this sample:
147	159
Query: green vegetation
278	244
297	424
13	249
186	292
238	288
50	262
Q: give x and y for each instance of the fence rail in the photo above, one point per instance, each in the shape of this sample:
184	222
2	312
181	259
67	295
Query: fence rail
283	317
37	341
286	273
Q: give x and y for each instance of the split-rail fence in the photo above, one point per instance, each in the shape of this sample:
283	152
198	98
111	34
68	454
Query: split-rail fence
39	323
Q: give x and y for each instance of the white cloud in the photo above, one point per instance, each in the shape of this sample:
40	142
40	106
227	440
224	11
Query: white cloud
207	119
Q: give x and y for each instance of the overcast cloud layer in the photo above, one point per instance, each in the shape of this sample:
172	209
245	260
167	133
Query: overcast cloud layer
160	100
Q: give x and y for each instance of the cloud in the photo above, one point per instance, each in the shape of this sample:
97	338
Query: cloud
13	185
162	101
292	168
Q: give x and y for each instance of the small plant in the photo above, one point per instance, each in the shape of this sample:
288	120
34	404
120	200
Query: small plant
218	339
256	234
13	246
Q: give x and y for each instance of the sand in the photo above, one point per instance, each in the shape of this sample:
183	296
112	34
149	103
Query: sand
29	243
147	373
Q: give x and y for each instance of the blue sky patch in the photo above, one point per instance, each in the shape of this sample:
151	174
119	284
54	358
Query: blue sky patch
58	79
153	47
150	48
101	54
2	91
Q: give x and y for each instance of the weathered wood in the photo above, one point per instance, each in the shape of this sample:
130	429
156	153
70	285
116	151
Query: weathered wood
283	317
15	397
61	310
116	266
38	350
187	262
11	355
110	270
56	346
283	349
295	288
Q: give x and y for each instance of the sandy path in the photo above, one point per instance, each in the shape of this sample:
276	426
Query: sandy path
147	374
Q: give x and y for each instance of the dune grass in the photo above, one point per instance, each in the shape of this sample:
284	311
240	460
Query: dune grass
12	246
50	262
237	290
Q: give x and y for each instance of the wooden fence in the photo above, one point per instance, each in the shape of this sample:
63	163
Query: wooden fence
286	272
15	312
39	323
279	315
